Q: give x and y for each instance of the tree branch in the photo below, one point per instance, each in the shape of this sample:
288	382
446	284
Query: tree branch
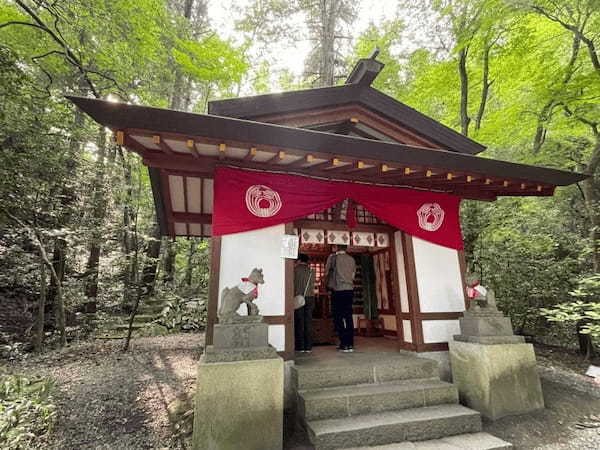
16	22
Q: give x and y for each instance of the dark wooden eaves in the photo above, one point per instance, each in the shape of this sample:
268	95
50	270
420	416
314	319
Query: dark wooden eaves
121	116
253	108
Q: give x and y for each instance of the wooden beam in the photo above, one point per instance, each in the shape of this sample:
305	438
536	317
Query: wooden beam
186	164
120	137
192	217
342	226
381	170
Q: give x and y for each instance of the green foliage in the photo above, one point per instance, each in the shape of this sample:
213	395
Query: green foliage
587	313
210	60
183	314
27	412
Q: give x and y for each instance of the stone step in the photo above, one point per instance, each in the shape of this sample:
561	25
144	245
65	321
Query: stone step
417	424
125	326
155	310
469	441
372	398
144	318
356	371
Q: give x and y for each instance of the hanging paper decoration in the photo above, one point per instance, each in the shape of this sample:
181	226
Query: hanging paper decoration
311	236
382	239
338	237
363	239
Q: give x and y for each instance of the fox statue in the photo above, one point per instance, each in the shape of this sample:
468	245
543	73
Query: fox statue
245	292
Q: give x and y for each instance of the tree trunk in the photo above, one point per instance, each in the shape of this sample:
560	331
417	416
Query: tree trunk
178	95
169	265
465	120
485	87
327	54
39	335
592	203
60	312
98	213
190	262
150	268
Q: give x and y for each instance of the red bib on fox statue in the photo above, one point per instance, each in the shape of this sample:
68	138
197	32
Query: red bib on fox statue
248	200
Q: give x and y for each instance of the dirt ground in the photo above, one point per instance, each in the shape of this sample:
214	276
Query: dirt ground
140	400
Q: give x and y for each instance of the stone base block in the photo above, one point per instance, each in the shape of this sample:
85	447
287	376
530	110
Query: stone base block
496	380
212	354
490	340
241	335
485	324
239	405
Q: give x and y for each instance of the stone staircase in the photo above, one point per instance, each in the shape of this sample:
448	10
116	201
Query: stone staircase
389	400
147	312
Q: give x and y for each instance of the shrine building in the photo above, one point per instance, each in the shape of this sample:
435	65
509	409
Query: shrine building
344	164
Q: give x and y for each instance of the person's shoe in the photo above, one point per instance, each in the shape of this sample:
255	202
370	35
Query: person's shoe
351	348
308	351
347	349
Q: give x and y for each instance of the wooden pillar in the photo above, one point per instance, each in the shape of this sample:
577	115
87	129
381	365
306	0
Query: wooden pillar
413	292
288	352
213	287
396	291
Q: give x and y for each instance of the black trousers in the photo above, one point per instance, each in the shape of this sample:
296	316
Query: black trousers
303	325
341	305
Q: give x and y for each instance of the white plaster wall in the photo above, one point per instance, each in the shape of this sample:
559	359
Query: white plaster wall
277	337
406	330
439	279
401	272
439	330
241	252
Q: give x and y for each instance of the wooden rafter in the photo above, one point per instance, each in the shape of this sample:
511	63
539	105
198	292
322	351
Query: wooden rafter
276	158
164	147
252	151
191	145
307	159
333	162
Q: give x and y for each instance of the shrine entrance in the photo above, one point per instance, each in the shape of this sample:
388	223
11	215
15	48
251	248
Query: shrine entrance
376	292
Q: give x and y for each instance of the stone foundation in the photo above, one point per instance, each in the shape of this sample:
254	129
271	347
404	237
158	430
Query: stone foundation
496	379
239	405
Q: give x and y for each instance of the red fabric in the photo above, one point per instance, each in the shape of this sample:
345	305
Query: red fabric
351	215
255	290
471	292
248	200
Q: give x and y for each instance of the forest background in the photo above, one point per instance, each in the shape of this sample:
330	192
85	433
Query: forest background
77	227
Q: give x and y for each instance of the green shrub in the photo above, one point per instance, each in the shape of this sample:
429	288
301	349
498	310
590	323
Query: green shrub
585	313
26	411
183	314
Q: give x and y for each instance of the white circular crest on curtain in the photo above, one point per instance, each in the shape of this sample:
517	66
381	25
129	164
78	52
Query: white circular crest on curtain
431	216
262	201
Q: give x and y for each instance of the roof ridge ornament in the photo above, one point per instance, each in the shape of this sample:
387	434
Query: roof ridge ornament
366	70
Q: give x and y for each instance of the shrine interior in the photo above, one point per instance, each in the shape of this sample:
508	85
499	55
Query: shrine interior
375	298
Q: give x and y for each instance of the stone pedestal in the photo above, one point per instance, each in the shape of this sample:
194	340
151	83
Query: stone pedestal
496	379
494	370
239	397
240	342
239	405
